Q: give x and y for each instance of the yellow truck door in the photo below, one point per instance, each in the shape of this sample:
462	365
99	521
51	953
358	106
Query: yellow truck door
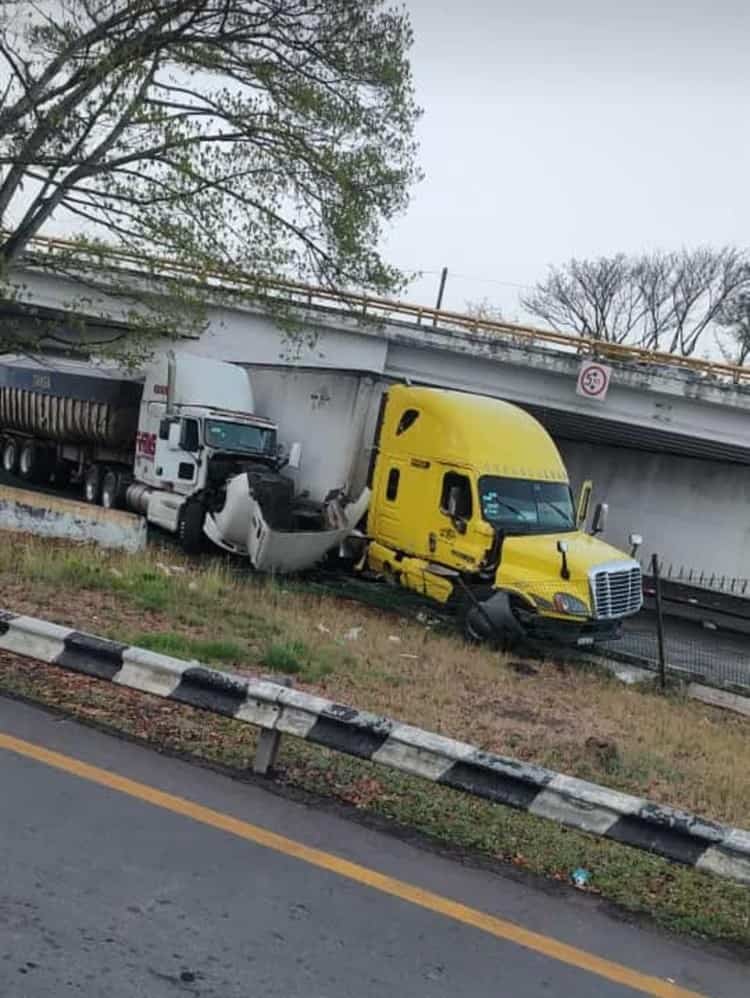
388	520
453	538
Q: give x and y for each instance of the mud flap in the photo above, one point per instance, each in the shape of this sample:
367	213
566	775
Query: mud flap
493	619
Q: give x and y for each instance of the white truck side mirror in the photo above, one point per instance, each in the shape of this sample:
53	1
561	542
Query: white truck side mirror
295	455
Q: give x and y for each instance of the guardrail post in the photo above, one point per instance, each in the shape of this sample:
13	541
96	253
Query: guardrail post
269	739
659	621
266	752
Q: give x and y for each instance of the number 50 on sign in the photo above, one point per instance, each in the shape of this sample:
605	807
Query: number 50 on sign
593	380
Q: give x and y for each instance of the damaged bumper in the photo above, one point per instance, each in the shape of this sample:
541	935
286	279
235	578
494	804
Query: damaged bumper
242	528
496	617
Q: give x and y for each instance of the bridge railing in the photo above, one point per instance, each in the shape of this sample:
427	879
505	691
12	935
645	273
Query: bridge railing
311	296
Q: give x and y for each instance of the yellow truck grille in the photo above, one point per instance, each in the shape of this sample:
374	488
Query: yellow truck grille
617	592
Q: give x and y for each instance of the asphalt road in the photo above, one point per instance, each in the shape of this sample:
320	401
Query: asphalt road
719	655
117	888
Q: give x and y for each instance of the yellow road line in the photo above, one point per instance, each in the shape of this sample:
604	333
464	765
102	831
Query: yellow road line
498	927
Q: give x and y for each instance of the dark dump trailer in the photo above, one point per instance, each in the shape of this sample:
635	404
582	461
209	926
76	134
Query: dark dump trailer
57	417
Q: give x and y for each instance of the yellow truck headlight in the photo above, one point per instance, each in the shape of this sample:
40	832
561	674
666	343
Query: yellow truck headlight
565	603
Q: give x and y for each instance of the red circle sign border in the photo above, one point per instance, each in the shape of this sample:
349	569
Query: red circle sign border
601	371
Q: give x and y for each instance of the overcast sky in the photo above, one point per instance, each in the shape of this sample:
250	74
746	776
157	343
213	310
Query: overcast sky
559	128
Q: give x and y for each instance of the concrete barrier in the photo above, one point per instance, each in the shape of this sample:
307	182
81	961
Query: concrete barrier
45	515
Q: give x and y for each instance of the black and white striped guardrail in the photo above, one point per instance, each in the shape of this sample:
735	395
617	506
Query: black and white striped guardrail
276	709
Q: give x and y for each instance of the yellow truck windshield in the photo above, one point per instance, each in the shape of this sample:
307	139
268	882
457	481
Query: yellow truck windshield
519	506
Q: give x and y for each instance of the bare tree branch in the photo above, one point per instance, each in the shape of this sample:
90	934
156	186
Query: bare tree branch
734	316
661	301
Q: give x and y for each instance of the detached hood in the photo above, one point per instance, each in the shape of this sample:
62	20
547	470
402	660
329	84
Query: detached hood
241	527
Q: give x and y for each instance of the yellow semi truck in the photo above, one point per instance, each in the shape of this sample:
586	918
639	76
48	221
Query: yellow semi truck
471	506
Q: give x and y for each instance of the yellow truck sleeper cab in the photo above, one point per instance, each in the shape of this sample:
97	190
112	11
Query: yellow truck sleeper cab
471	506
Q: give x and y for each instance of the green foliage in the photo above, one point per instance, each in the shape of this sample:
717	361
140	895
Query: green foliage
210	651
262	138
295	658
287	656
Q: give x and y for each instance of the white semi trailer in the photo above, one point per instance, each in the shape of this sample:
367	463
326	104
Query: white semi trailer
182	445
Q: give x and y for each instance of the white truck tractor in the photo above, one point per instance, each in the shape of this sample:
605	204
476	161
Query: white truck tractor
181	445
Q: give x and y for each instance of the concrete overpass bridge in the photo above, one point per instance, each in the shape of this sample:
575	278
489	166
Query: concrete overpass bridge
668	447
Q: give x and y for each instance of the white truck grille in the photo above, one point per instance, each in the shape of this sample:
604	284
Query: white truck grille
617	590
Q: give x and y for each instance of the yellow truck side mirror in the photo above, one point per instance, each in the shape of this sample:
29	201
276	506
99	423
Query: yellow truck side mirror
453	509
584	502
454	493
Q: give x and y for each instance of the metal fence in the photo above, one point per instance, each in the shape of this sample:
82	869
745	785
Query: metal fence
686	631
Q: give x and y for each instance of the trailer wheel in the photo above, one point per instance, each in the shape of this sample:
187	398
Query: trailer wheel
113	489
33	465
92	484
10	455
190	527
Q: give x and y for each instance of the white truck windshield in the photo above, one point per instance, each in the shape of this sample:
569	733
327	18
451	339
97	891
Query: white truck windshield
240	437
516	505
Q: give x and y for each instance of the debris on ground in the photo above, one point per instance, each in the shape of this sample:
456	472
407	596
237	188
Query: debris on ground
523	669
353	634
428	619
322	628
171	570
580	877
394	638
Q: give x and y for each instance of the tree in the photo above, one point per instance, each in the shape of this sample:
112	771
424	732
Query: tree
735	316
590	297
660	301
485	311
274	136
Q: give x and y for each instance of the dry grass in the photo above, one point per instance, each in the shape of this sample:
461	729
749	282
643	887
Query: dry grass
673	750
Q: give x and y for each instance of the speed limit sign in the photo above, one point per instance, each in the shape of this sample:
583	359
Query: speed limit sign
593	380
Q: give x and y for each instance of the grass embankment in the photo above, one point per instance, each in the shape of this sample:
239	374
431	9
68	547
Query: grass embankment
578	721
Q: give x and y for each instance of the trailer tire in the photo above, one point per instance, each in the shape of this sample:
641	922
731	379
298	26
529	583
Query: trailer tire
113	489
33	463
10	455
92	484
190	527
